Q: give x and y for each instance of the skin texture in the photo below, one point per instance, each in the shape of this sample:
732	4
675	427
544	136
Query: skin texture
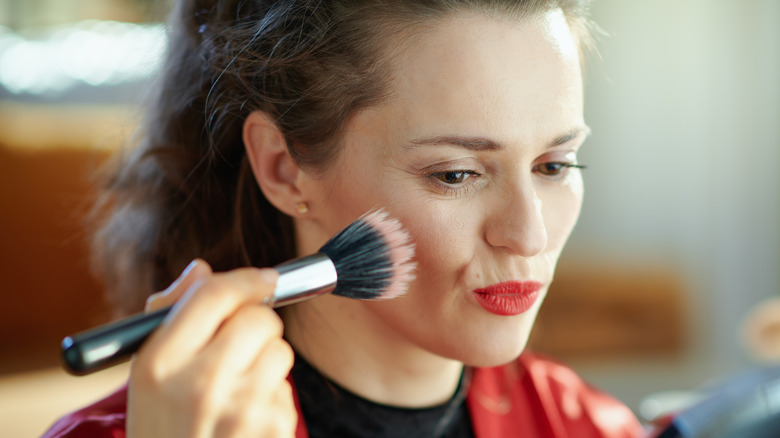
470	154
514	89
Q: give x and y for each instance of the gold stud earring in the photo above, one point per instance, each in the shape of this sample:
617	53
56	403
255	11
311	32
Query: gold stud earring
302	207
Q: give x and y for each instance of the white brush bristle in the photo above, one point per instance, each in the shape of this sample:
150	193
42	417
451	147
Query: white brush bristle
373	258
401	251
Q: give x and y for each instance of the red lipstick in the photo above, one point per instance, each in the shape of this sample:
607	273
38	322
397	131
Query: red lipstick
509	297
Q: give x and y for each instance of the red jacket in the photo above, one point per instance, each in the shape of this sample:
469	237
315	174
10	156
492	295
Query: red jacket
531	397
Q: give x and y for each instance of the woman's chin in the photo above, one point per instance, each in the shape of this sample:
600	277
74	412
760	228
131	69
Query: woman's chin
494	359
490	352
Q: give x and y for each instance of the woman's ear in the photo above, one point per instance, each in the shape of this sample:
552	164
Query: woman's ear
275	171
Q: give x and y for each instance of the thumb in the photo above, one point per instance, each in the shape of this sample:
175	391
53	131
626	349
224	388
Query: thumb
196	270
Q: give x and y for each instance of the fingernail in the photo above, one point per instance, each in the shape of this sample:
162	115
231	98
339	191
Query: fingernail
189	268
269	275
176	282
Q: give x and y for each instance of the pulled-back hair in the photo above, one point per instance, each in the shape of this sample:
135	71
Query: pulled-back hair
186	189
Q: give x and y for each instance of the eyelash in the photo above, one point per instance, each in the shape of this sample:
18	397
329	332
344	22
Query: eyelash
561	171
455	188
463	176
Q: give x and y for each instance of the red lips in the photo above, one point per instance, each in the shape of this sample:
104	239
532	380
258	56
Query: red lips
509	297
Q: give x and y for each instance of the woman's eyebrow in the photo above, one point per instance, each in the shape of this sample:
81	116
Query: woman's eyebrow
570	135
486	144
470	143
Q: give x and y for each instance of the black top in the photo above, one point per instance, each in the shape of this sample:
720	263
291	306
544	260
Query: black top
332	411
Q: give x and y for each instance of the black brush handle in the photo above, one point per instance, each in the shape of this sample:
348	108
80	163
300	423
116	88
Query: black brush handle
101	347
110	344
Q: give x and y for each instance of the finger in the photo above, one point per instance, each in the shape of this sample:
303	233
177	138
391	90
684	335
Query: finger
287	412
271	367
240	340
283	398
197	269
208	302
269	415
263	403
281	417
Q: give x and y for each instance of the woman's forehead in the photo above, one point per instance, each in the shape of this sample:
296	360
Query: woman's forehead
474	72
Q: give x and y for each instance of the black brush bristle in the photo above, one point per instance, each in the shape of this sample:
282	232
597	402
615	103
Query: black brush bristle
372	257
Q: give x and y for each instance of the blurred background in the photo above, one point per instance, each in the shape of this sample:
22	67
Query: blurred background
665	285
683	177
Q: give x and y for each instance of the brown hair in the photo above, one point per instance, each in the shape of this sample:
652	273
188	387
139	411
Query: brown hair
186	189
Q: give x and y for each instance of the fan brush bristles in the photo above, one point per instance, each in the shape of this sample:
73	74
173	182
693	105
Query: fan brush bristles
373	258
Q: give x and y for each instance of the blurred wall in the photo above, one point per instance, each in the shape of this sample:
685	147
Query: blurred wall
683	170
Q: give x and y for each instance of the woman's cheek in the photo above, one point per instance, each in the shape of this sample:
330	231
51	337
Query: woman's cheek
562	209
441	241
576	193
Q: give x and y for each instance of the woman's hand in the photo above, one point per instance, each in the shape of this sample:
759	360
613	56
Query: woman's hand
217	366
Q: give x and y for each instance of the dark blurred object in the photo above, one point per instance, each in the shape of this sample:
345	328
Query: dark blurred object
745	406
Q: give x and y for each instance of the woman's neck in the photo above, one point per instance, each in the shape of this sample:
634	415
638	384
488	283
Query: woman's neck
341	339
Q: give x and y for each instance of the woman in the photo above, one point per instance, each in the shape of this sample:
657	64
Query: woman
278	123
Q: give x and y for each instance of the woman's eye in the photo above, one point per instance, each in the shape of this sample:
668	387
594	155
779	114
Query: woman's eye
454	182
555	168
453	176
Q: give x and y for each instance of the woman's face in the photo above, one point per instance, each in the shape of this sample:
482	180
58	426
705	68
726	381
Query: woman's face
471	153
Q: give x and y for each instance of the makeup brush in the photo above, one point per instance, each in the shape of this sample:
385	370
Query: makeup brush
370	259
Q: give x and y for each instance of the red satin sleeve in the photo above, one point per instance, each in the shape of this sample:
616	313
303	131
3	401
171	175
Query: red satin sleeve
538	397
104	419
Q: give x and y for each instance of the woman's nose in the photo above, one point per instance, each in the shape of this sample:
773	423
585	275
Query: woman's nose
517	224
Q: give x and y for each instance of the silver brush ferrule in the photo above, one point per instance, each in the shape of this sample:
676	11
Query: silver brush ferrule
303	278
